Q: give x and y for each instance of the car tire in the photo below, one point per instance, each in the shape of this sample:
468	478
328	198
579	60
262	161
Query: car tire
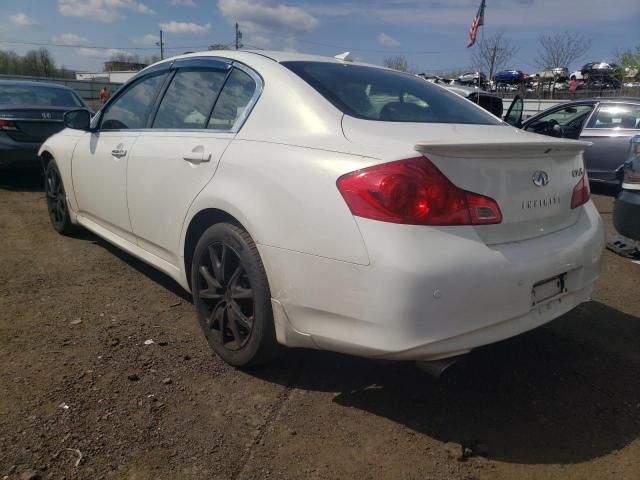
232	296
57	205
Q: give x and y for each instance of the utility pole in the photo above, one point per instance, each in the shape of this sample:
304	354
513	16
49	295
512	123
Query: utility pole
161	45
238	37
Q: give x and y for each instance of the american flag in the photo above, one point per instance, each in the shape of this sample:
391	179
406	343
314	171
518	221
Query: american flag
477	22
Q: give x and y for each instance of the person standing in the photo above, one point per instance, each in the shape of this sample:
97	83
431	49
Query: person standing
104	95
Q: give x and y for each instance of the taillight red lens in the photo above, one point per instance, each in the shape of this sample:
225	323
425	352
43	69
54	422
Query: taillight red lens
7	125
415	192
581	192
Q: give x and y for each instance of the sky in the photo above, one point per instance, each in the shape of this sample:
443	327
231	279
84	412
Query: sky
431	34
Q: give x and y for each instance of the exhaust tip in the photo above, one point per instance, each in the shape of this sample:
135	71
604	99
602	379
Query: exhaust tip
437	368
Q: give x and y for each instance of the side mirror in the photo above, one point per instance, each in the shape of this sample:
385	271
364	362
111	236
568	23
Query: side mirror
514	114
78	120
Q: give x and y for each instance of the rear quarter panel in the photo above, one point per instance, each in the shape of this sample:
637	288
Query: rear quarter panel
286	197
609	148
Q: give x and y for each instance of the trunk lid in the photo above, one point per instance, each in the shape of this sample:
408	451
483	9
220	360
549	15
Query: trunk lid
35	124
532	177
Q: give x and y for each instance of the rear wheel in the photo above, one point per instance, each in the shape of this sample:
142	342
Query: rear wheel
232	296
57	200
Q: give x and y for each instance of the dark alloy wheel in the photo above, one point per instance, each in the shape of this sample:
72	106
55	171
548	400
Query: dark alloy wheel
232	296
225	290
56	200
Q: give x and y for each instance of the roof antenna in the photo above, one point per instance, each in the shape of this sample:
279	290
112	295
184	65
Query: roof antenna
345	57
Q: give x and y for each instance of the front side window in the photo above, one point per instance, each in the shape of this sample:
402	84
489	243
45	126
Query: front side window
130	110
616	115
234	99
564	122
189	99
384	95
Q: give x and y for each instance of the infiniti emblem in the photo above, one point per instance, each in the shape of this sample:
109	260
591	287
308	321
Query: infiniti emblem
540	178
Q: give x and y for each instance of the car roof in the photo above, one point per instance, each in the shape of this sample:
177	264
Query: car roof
28	83
276	56
606	100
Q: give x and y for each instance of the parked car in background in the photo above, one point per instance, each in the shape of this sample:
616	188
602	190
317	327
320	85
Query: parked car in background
355	223
30	112
606	122
626	210
576	75
491	103
475	78
557	73
597	69
509	76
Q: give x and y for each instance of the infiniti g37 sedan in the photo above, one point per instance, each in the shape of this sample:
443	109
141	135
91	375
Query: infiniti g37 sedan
313	202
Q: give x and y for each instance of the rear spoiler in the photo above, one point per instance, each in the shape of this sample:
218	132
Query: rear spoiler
508	149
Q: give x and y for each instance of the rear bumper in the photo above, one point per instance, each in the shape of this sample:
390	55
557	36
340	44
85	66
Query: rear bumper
430	293
18	153
626	214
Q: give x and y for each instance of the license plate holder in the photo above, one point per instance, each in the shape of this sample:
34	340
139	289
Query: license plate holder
547	289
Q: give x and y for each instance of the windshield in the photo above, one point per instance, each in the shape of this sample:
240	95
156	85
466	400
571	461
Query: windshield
385	95
31	95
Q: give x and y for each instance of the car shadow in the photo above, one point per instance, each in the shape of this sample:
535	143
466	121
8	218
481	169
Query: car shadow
22	180
564	393
148	271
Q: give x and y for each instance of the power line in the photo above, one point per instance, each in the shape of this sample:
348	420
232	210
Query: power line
99	47
197	47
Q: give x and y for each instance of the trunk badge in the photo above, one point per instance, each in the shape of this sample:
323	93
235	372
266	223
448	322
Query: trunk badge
540	178
46	115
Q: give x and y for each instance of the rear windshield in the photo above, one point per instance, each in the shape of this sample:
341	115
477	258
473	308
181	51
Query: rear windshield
385	95
30	95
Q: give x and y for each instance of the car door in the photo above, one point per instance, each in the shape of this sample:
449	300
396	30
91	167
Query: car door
100	159
610	129
564	121
201	109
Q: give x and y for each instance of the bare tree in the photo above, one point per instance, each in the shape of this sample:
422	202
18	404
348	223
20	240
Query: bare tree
493	53
562	49
398	62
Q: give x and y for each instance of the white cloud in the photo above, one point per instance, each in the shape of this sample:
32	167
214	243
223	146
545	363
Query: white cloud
185	27
459	13
275	17
182	3
23	21
69	39
105	11
387	40
105	54
148	39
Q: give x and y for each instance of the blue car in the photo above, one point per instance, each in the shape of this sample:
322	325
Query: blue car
30	112
509	76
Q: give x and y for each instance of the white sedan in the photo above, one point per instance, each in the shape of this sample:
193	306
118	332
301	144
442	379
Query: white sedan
319	203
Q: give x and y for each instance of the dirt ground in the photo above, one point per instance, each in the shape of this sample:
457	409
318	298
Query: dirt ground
82	395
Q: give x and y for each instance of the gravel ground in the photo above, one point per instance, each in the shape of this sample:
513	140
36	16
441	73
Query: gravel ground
85	394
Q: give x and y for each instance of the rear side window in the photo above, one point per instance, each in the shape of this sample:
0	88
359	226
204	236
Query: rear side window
189	99
233	101
130	110
385	95
616	115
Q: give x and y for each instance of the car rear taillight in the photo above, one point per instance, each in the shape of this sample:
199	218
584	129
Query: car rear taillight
8	125
414	192
581	192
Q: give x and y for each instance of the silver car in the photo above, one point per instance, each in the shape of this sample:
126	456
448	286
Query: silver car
608	123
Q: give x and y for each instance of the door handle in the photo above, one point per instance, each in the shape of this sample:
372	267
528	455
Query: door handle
118	152
196	155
